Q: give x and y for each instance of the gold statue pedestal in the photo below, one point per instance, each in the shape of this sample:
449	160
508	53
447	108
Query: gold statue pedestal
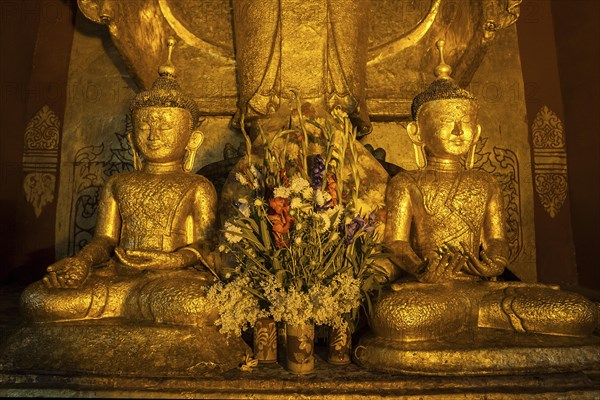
114	347
482	351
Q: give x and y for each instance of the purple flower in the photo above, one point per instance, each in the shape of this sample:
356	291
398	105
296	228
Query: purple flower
370	227
354	226
372	218
318	168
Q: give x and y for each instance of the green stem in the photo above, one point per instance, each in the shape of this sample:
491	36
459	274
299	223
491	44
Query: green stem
246	138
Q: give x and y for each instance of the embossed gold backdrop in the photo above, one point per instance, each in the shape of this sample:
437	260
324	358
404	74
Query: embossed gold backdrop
105	66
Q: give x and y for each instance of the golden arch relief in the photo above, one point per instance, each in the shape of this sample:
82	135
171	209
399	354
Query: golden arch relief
393	36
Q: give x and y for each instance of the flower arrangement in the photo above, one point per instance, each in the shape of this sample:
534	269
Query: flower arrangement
304	242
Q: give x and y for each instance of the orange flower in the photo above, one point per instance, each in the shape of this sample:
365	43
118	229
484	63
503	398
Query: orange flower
284	178
332	188
280	218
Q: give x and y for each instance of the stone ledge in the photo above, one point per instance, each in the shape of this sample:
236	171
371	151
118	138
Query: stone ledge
115	347
482	352
273	382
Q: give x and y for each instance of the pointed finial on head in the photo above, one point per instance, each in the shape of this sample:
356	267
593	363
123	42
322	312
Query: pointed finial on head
442	88
168	69
443	70
166	92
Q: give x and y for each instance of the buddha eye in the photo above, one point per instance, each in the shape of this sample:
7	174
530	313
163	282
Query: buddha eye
446	120
164	127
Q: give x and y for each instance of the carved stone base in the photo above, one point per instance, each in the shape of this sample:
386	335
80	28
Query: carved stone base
271	381
483	352
117	348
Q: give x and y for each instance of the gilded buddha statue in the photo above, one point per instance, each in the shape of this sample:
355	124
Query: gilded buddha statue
150	256
445	230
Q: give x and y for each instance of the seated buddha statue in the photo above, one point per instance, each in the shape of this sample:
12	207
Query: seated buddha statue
445	230
149	259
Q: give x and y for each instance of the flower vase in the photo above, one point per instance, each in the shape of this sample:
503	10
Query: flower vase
300	348
281	343
265	340
339	344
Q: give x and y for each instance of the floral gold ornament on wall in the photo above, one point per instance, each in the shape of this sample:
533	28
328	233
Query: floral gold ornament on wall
40	158
549	160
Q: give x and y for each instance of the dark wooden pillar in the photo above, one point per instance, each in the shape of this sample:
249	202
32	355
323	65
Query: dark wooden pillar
36	38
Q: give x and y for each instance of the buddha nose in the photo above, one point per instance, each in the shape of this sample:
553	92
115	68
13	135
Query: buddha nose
457	130
153	134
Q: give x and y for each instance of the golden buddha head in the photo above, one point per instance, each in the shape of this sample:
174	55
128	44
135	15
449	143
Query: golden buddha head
165	121
444	119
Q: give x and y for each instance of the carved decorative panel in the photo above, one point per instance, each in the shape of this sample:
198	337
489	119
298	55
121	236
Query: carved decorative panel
503	164
93	165
40	158
549	160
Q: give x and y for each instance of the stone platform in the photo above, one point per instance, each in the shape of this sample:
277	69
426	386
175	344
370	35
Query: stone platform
113	347
142	374
481	352
273	382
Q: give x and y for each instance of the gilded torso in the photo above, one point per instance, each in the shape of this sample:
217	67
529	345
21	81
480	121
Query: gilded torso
155	209
448	207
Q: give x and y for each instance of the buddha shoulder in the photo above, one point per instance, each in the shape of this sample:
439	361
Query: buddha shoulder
202	184
404	179
404	182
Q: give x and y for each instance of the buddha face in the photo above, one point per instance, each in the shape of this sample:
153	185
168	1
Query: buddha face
162	133
448	127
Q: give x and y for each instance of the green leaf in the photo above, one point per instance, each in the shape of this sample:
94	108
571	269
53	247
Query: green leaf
250	222
265	234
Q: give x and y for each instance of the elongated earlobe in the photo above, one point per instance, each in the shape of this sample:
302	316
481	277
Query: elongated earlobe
137	161
418	146
470	161
196	140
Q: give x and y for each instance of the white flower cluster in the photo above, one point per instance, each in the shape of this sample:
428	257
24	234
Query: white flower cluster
289	305
372	201
322	304
237	308
330	302
241	178
251	180
233	233
297	188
